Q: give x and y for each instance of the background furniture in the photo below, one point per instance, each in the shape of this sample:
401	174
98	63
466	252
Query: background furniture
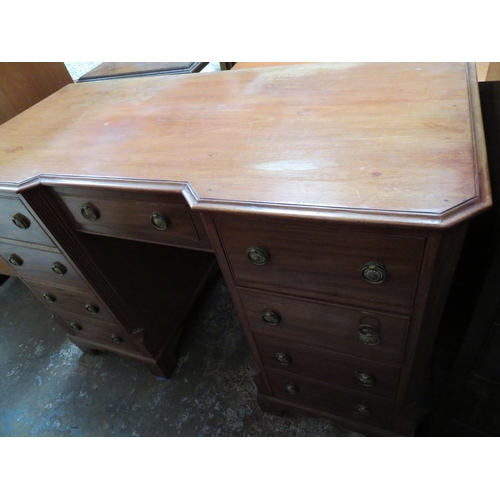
336	214
110	70
468	403
488	71
24	84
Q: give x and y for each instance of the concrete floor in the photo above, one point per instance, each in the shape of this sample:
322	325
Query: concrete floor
48	387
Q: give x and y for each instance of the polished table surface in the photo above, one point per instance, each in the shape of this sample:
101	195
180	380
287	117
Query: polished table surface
346	140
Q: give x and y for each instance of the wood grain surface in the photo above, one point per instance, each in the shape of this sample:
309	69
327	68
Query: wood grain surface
23	84
363	140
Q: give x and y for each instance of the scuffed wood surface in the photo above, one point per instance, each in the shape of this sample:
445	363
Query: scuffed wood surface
370	137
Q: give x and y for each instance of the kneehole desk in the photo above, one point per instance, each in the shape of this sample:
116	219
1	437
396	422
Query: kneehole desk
334	197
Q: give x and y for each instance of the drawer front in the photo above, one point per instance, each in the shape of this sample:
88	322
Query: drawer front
356	332
17	223
132	219
84	304
326	262
342	402
329	366
112	336
40	265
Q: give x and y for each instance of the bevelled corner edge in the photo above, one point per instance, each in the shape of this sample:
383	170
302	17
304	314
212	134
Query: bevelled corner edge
478	136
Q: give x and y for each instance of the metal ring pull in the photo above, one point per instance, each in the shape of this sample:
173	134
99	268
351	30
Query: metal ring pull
89	212
258	255
48	297
15	260
271	317
59	268
159	221
363	410
374	273
365	379
369	335
91	308
21	221
282	358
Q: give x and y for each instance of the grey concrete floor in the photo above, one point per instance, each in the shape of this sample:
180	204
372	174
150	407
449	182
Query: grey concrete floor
48	387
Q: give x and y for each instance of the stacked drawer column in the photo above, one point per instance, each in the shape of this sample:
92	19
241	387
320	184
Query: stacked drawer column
327	311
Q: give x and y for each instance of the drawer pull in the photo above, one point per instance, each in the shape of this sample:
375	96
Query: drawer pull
15	260
363	410
365	379
291	389
258	255
48	297
89	212
21	221
282	358
369	335
116	338
75	327
271	317
59	268
159	221
374	273
91	308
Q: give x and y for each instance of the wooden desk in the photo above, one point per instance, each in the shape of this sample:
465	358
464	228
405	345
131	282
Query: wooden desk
335	208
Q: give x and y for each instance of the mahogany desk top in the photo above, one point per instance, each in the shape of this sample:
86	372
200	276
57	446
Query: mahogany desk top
346	141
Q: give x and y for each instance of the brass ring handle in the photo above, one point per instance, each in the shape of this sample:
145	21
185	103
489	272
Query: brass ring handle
91	308
258	255
271	317
365	379
369	335
75	326
59	268
15	260
374	273
291	389
89	212
21	221
282	358
363	410
159	221
116	338
48	297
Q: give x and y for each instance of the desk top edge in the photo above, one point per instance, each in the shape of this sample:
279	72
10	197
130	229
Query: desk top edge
230	192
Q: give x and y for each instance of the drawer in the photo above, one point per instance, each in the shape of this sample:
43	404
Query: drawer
85	304
165	222
332	399
325	262
329	366
17	223
41	265
112	336
357	332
